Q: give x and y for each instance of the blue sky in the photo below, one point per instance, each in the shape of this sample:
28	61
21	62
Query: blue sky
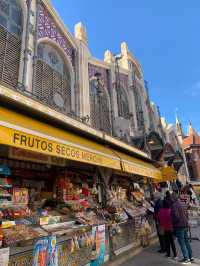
163	35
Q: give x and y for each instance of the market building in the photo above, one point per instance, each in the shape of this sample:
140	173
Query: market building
78	144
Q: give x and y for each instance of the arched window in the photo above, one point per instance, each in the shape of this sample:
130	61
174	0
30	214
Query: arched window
53	79
10	41
122	102
99	107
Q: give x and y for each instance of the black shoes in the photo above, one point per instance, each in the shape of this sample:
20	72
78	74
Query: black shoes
161	251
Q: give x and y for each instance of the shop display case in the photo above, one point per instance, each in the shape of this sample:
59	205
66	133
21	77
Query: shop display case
66	206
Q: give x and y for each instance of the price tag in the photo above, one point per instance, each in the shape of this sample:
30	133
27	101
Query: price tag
44	220
7	224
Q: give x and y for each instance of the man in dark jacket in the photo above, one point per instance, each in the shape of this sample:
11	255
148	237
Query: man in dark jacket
180	224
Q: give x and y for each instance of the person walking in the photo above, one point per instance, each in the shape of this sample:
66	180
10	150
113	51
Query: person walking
180	224
165	220
158	203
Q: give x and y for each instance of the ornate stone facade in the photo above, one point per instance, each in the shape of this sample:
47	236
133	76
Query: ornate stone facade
47	28
42	59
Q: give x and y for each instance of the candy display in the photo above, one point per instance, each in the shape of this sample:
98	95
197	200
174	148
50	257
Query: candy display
15	213
17	233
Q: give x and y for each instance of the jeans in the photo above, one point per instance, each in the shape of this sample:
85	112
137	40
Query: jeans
169	242
183	240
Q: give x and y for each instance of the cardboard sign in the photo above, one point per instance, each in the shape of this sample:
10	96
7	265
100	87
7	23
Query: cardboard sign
20	196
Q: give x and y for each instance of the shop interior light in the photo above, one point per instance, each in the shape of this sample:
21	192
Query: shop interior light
151	142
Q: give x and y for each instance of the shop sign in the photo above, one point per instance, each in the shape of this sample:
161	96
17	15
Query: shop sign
100	245
50	147
26	155
4	256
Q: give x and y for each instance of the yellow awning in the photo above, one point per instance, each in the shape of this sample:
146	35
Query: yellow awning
138	167
26	133
168	173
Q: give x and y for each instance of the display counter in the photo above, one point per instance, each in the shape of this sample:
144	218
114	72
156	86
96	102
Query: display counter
24	255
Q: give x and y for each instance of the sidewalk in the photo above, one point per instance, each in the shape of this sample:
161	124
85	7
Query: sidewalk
150	257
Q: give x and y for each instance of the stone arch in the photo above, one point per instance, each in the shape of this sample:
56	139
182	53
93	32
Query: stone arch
100	106
12	35
54	81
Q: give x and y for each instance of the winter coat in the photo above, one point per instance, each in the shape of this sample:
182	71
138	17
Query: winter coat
179	215
165	219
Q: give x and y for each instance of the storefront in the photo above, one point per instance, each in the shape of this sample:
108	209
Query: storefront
54	198
130	203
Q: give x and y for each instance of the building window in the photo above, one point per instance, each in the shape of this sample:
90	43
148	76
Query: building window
122	101
10	41
99	107
53	79
139	109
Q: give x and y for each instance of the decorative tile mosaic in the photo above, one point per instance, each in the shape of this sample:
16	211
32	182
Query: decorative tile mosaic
48	28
